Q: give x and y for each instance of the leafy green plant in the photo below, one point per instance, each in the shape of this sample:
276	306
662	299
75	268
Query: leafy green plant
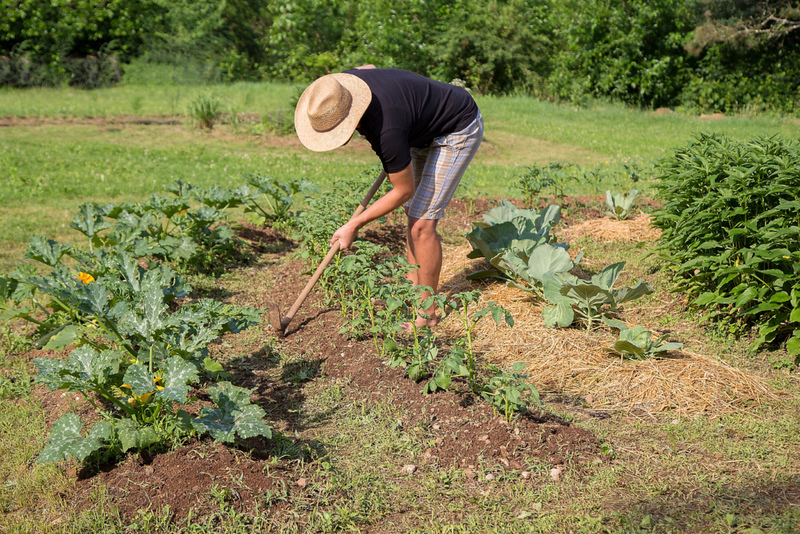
279	122
637	342
132	352
279	196
169	228
325	214
543	259
205	109
731	230
569	295
506	391
531	182
459	305
518	244
505	227
620	205
556	175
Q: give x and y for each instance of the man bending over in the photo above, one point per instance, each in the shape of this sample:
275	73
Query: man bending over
424	132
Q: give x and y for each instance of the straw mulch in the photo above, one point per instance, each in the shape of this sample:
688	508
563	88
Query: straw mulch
574	363
637	228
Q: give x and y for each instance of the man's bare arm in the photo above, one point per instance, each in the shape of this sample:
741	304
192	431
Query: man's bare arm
402	191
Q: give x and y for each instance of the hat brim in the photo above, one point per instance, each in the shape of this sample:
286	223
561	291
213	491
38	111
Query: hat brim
322	141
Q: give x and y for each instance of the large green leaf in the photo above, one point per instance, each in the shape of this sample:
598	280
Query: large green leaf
177	374
589	298
89	220
65	440
233	416
60	338
94	298
608	276
131	436
95	365
549	259
625	294
629	347
140	379
83	369
46	250
560	314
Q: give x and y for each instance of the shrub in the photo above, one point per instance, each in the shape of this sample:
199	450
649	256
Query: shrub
205	110
731	221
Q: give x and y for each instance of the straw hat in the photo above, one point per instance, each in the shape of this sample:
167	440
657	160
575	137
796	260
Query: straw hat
329	110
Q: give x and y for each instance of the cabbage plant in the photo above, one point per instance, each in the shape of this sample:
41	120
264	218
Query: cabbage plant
518	244
570	296
638	343
620	205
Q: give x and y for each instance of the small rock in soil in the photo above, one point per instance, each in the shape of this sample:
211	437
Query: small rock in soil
149	470
589	399
302	482
526	475
490	477
469	473
410	468
555	473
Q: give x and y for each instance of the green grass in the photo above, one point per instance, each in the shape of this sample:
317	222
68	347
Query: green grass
133	100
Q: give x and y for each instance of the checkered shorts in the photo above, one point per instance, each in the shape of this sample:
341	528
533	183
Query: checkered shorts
439	167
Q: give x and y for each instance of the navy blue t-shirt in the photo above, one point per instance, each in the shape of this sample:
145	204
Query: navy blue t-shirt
410	110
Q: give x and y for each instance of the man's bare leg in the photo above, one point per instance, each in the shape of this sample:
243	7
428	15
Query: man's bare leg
424	247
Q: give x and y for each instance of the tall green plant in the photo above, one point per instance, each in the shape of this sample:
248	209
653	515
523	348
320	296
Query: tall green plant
731	231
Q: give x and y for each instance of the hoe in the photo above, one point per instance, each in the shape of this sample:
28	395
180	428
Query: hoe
279	323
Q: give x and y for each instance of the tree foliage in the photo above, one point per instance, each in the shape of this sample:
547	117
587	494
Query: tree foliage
697	53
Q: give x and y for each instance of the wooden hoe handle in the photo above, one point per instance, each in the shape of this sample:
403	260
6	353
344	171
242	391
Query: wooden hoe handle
331	253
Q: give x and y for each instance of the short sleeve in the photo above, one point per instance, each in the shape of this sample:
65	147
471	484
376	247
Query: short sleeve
395	153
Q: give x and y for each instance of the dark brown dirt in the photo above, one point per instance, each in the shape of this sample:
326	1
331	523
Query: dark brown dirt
196	479
465	431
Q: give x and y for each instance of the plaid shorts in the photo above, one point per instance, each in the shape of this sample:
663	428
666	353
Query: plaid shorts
439	167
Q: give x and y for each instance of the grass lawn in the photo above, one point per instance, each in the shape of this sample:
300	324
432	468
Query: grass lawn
732	472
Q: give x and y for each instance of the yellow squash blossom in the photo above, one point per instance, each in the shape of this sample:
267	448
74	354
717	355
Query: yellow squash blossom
86	278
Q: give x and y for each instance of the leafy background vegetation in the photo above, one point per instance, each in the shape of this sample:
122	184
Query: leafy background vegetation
693	53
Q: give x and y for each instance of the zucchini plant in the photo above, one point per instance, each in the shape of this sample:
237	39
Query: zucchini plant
134	356
274	199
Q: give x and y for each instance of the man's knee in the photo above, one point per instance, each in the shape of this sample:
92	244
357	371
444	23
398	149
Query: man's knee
422	229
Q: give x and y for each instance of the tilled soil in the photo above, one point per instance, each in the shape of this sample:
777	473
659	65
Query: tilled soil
464	431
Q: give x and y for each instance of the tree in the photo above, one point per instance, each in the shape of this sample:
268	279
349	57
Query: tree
744	23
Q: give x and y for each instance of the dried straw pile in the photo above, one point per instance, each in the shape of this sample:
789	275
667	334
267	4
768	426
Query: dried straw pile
637	228
574	362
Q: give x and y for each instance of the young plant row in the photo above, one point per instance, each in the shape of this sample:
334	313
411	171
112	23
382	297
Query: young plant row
520	249
731	231
557	177
190	228
136	353
377	300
